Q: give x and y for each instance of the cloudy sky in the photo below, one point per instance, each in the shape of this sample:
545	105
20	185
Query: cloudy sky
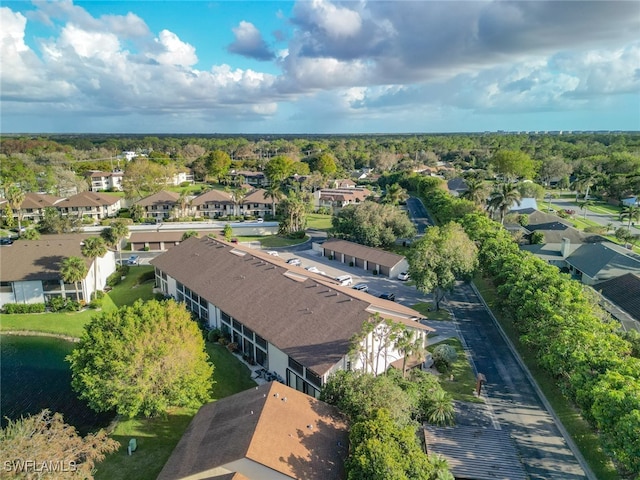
319	66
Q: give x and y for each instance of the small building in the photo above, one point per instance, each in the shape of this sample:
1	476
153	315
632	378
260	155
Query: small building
597	262
31	269
158	241
213	204
100	181
622	298
96	206
267	432
630	202
254	179
338	198
257	204
160	205
368	258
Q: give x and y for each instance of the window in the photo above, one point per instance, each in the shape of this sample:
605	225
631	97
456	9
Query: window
261	342
248	332
225	317
313	378
295	366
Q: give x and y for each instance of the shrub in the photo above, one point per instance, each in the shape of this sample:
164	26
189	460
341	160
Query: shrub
24	307
214	335
232	347
56	304
123	270
145	249
223	341
601	229
375	272
114	279
146	276
330	257
351	264
444	356
298	234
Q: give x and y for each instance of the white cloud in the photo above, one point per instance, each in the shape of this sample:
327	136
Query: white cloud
249	42
174	51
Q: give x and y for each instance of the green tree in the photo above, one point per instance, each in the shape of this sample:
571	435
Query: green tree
94	248
325	163
440	409
584	205
503	198
218	164
54	222
44	438
191	233
584	181
142	359
293	213
114	234
227	232
513	164
7	216
74	270
631	213
476	191
395	194
279	168
408	344
15	197
372	224
274	192
143	177
442	256
137	212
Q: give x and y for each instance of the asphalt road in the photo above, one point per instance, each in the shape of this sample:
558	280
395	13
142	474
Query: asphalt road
418	214
510	394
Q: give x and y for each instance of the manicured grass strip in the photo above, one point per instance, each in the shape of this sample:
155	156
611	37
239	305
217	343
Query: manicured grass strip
581	432
464	382
425	309
157	437
319	222
70	324
273	240
131	288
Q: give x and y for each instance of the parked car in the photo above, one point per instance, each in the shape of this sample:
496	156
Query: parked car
133	260
294	261
259	220
403	276
6	241
363	287
273	253
388	296
314	269
344	280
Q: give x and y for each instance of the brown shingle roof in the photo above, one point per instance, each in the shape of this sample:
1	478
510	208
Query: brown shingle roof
160	198
306	317
162	236
39	200
212	196
258	196
273	427
374	255
39	259
88	199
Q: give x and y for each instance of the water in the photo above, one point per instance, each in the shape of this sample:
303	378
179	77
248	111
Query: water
34	375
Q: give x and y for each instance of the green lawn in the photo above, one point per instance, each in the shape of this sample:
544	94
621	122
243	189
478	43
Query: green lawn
427	309
157	437
584	437
273	240
72	323
464	381
318	221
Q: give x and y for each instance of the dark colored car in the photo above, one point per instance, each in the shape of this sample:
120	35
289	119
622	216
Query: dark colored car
388	296
6	241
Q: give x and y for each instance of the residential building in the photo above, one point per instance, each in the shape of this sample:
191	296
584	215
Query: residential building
101	181
622	298
160	240
340	183
254	179
360	256
160	205
213	204
90	204
258	204
338	198
184	176
295	323
268	432
597	262
33	205
31	269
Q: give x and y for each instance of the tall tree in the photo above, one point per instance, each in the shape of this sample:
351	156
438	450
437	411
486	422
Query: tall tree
218	164
442	256
143	177
279	169
476	191
512	164
503	198
142	359
631	213
394	194
74	270
15	197
409	343
274	192
94	248
44	438
584	181
293	213
114	234
137	212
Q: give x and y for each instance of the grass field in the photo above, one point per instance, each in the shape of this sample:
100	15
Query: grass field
273	241
426	310
582	434
464	381
319	222
156	437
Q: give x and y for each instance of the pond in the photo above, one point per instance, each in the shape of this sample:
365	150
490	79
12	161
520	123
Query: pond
35	375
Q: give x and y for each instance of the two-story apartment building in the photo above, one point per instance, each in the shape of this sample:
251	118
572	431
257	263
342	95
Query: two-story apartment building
295	323
338	198
90	204
213	204
160	205
34	204
256	204
100	181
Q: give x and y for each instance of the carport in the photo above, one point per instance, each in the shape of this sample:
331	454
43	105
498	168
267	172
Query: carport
157	241
367	258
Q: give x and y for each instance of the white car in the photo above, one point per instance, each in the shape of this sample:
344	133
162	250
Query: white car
273	253
403	276
314	269
294	261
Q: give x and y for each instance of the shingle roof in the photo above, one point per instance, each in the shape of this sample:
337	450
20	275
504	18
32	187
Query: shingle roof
475	452
39	200
258	196
160	198
555	229
624	292
39	259
374	255
212	196
88	199
273	427
162	236
305	315
603	261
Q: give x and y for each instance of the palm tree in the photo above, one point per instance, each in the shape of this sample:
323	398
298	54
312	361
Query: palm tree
395	194
585	207
113	235
94	247
476	191
406	344
183	202
631	212
74	269
584	181
15	197
274	192
503	198
137	212
440	410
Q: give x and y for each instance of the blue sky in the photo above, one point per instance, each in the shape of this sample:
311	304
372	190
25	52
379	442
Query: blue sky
319	66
